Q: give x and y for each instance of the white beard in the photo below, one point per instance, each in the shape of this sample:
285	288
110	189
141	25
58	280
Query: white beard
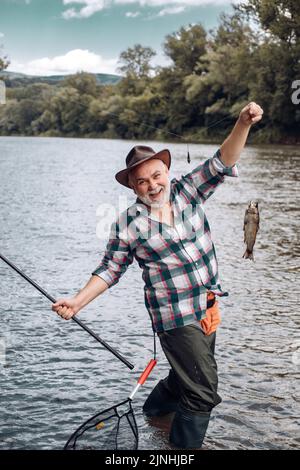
158	204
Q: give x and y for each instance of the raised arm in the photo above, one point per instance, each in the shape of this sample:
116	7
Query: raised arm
235	142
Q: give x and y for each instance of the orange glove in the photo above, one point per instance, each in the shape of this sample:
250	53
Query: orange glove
213	317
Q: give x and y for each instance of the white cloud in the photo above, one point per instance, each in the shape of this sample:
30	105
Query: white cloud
171	11
87	8
69	14
132	14
72	62
165	3
1	35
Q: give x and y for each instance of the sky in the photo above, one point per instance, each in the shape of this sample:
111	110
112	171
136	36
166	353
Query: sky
46	37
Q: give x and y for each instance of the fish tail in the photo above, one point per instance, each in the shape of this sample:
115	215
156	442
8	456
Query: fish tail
248	255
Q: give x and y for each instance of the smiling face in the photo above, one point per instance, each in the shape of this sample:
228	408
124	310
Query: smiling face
150	182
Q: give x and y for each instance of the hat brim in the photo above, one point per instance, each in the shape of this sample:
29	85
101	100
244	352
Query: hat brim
163	155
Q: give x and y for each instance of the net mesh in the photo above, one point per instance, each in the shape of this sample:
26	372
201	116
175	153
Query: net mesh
112	429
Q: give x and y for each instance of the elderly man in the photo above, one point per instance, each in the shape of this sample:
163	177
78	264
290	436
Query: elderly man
167	232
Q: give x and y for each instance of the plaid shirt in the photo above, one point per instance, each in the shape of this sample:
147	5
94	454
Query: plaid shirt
179	263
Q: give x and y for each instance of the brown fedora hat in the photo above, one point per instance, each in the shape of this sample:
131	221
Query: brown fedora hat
140	154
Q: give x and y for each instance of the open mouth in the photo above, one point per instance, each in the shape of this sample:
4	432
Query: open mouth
156	195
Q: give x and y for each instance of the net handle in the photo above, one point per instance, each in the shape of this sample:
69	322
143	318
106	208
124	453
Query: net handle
76	320
145	374
147	371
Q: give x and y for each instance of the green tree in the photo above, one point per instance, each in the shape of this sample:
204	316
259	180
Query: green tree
276	63
70	109
16	117
221	84
280	18
253	54
136	68
103	115
8	118
84	83
185	47
135	61
45	124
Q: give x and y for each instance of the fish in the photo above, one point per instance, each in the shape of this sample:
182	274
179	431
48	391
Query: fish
251	226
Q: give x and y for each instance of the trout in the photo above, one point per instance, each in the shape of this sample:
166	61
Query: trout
251	225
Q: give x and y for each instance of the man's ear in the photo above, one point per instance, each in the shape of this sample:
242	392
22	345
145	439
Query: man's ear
131	185
129	181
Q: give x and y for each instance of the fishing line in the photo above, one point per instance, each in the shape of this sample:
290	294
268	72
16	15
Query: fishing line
151	126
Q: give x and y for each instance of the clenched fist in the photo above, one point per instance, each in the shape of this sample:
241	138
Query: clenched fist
251	114
66	308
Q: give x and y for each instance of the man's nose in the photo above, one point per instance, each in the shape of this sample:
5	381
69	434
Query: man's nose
152	185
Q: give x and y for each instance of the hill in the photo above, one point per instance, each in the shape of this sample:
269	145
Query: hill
15	79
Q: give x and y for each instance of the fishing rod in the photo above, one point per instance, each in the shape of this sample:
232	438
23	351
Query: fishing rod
53	300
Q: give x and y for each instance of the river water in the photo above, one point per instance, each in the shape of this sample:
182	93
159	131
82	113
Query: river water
53	375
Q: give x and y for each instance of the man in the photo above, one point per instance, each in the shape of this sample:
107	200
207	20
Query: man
167	232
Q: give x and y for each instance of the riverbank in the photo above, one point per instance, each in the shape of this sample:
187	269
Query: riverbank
201	136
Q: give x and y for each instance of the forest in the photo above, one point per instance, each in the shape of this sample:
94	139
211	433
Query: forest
252	55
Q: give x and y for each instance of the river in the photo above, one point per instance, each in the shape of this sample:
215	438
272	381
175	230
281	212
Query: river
53	375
